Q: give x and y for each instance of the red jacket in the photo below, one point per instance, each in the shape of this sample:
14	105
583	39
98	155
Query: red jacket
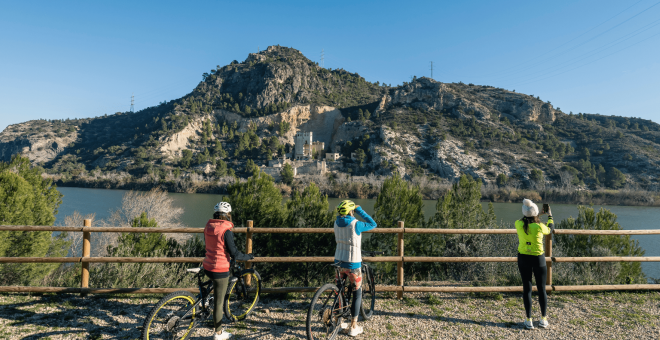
217	256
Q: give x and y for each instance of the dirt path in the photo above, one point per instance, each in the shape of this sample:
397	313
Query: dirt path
419	316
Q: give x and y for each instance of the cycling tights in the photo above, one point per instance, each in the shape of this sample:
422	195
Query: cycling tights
528	265
357	302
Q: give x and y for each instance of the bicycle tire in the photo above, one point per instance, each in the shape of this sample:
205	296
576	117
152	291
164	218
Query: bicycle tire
173	307
323	320
241	299
368	294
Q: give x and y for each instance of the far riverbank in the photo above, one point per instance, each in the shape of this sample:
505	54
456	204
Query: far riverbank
368	187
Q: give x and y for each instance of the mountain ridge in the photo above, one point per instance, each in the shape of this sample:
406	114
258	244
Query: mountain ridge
243	114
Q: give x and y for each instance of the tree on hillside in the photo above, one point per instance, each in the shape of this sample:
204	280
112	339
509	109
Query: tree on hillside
536	176
502	179
26	198
287	174
615	178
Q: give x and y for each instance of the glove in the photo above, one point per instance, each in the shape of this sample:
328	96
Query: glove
245	257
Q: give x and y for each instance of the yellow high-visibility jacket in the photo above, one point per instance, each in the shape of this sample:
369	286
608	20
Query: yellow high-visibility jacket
532	242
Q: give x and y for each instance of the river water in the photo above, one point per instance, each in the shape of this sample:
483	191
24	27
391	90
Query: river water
198	208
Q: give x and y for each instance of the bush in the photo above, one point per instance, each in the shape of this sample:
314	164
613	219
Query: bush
459	208
597	245
26	198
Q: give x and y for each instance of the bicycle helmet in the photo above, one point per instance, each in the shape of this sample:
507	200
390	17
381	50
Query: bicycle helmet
223	207
345	207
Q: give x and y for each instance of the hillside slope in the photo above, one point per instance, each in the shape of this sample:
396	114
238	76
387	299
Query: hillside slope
247	113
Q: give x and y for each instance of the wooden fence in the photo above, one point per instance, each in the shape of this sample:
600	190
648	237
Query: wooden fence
400	259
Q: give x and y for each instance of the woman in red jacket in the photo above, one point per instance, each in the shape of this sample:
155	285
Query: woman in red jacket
220	248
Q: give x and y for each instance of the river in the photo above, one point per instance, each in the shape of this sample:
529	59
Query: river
199	207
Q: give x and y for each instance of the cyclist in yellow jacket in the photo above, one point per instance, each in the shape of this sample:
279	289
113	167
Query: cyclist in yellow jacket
531	258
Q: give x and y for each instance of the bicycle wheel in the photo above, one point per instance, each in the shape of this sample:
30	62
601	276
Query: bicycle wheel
368	293
169	318
324	315
242	295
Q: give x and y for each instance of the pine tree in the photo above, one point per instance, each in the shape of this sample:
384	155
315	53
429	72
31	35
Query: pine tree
26	198
287	174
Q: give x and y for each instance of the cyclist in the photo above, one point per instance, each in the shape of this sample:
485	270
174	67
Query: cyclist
219	243
348	235
531	258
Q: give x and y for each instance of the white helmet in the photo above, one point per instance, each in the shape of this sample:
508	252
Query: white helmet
223	207
529	209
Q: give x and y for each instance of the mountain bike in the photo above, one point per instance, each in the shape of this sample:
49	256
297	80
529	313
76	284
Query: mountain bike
177	314
330	304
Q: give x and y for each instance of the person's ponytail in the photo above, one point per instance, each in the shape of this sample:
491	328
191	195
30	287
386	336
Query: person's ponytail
527	220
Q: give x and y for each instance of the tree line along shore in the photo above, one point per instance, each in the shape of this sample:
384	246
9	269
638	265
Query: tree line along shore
365	187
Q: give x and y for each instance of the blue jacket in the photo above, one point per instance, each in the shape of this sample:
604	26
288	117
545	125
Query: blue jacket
360	227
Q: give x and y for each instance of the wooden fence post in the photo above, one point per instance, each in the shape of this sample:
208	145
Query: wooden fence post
399	265
248	249
548	254
85	253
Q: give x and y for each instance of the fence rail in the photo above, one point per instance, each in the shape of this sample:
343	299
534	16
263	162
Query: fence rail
400	259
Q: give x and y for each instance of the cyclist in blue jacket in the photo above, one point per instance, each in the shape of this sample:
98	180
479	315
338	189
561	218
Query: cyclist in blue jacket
348	235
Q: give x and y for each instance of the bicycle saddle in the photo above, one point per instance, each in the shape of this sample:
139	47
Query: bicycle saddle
233	279
194	270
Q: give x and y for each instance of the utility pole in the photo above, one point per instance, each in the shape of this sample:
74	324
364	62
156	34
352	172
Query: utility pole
132	103
322	58
431	70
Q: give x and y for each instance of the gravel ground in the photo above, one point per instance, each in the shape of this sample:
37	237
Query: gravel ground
599	315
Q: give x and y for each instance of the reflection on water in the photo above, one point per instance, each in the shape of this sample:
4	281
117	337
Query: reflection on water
198	208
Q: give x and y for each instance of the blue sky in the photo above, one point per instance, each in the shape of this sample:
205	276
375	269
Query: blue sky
84	59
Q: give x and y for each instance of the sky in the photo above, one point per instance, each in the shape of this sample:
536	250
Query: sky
79	59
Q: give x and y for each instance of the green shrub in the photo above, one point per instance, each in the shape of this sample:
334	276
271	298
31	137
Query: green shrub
26	198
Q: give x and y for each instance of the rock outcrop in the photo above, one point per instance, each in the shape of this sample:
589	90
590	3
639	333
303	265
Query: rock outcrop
40	144
482	101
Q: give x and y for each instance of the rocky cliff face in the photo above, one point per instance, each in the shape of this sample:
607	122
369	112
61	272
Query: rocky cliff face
483	101
35	140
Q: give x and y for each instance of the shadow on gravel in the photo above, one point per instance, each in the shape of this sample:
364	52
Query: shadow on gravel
450	320
91	316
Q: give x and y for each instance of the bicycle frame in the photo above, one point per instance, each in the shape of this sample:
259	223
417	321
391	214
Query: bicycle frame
205	289
345	297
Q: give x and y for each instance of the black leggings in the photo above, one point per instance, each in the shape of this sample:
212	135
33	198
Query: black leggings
357	302
528	264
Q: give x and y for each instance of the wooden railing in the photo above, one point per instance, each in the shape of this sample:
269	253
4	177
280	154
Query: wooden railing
400	259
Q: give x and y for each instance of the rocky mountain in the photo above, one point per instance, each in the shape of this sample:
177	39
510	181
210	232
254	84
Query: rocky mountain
244	114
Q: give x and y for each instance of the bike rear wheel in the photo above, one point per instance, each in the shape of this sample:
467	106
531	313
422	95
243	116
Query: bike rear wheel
242	295
169	320
368	293
324	315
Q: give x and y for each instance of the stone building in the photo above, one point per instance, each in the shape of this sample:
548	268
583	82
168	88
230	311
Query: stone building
306	147
332	156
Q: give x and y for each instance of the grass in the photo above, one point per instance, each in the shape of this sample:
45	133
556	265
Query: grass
411	302
433	300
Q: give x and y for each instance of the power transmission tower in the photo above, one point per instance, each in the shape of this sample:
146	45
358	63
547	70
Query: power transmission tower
322	58
431	70
132	103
